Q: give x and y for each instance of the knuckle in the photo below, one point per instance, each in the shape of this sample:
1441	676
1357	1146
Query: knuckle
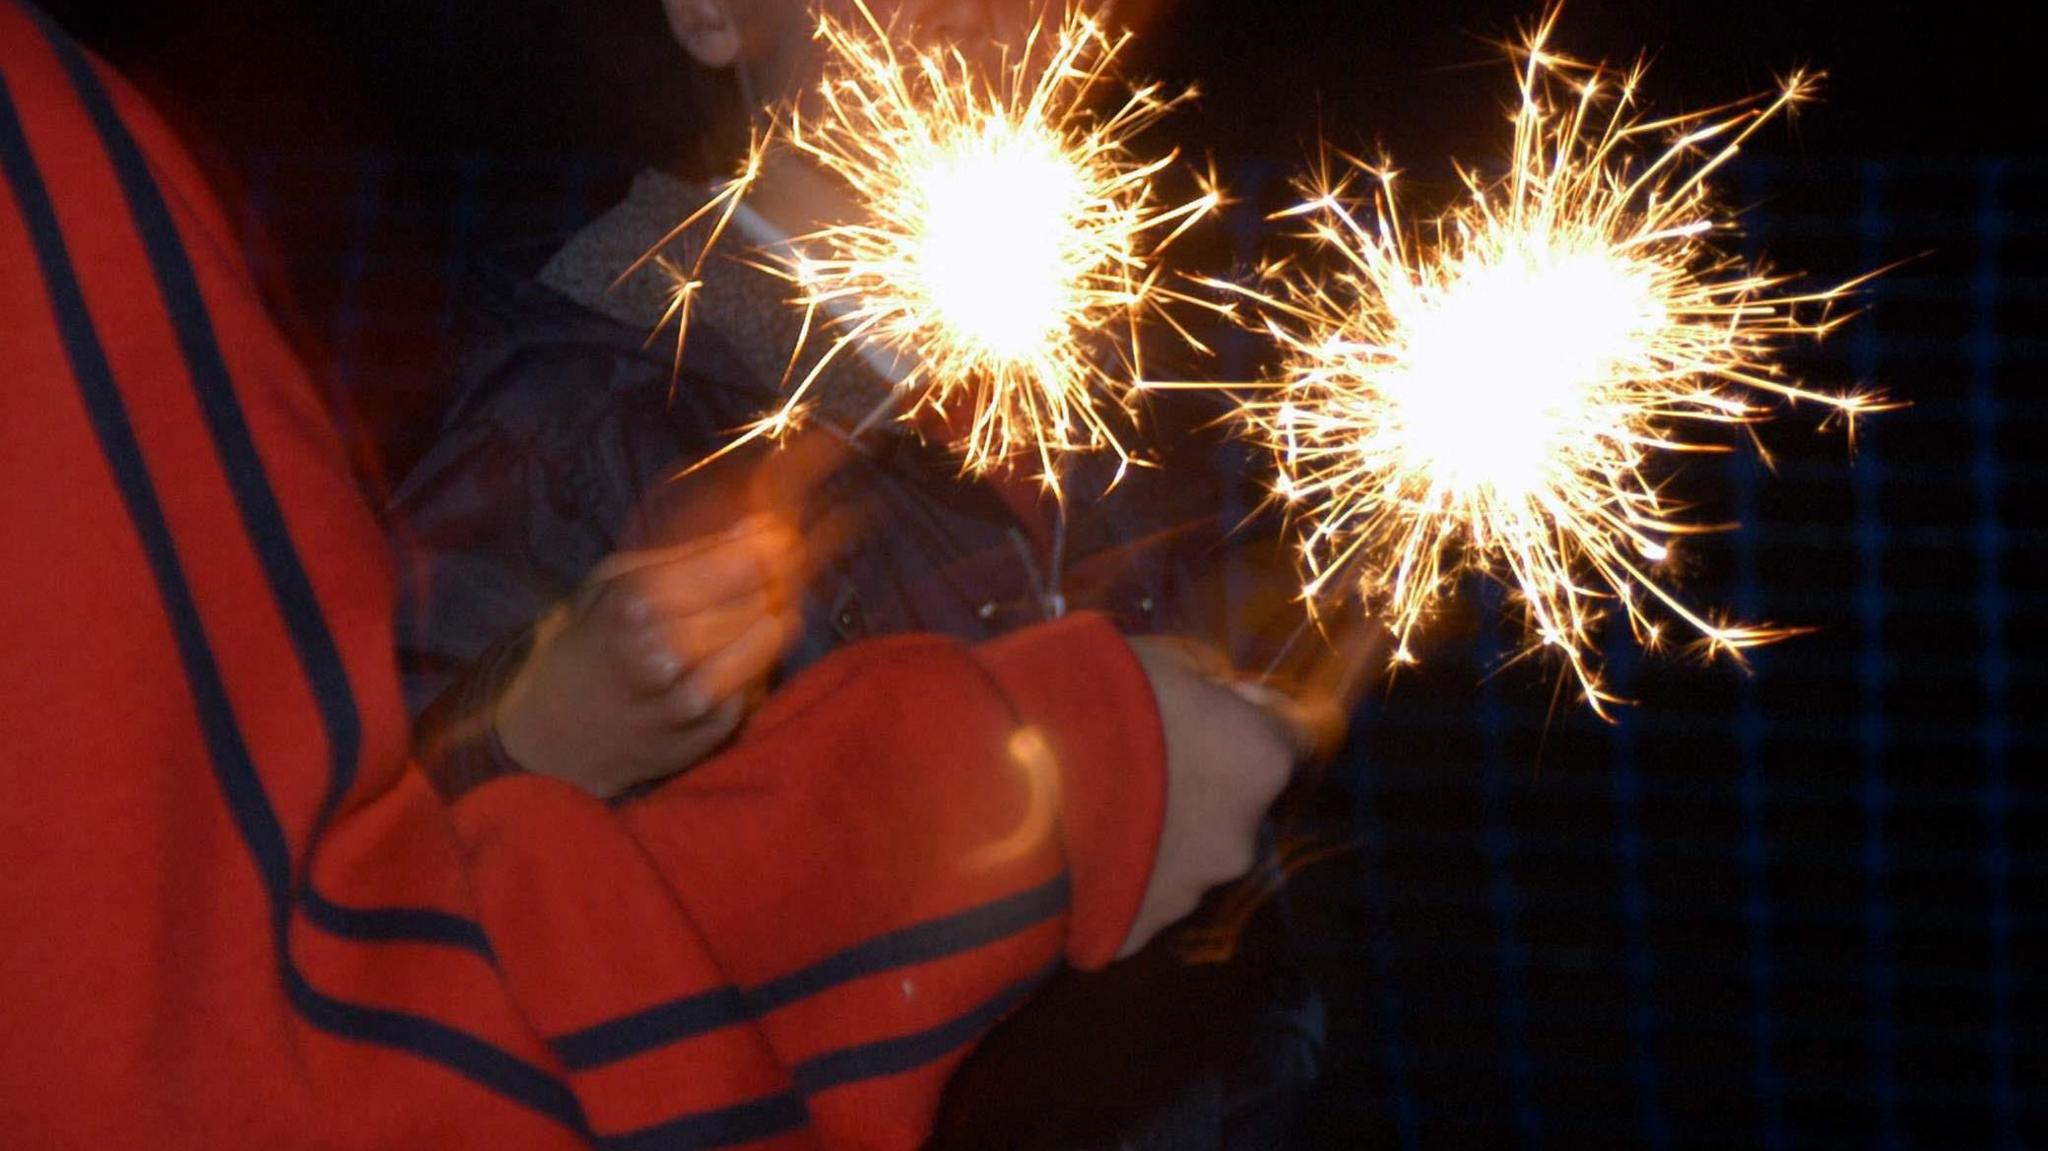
648	661
1275	770
628	598
1237	858
725	719
686	637
685	706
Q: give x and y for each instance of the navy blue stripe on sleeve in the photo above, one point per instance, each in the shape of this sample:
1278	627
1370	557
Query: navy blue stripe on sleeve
677	1020
671	1022
920	943
785	1111
476	1060
395	924
725	1127
262	519
122	452
909	1052
254	818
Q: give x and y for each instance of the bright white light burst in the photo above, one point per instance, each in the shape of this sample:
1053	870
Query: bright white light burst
1507	389
1008	235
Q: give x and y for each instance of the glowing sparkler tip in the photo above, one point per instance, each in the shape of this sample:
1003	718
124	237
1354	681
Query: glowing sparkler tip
1502	390
1007	221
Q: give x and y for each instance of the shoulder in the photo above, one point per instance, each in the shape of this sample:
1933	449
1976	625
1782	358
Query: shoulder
549	387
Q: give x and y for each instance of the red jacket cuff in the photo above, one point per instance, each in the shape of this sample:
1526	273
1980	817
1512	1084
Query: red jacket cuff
1077	684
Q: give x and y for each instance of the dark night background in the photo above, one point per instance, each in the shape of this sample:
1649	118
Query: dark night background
1806	907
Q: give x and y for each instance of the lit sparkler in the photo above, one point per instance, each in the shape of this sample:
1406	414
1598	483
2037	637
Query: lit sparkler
1008	234
1506	390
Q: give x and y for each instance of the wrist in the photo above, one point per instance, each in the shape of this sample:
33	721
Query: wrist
518	727
1081	686
458	746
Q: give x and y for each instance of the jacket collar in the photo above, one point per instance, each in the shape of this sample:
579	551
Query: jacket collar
748	306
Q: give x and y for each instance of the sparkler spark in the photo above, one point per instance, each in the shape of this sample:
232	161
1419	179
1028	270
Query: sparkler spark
1008	239
686	283
1507	389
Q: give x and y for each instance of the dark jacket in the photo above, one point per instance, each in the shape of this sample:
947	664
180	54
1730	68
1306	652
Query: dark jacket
571	424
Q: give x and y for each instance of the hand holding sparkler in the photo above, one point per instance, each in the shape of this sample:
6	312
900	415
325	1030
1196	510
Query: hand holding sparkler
1227	760
652	667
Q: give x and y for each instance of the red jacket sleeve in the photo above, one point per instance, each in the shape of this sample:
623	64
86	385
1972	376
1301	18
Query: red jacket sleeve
236	917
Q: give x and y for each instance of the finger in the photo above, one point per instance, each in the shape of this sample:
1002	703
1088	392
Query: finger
693	742
651	651
719	725
621	564
784	481
832	536
1203	659
638	652
1200	656
617	572
1312	726
696	637
656	633
729	670
628	561
670	748
690	702
736	667
1234	856
738	566
1269	762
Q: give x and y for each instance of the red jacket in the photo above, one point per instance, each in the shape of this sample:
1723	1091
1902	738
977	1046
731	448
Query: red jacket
234	916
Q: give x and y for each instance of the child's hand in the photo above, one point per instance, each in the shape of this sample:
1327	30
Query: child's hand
657	664
1227	760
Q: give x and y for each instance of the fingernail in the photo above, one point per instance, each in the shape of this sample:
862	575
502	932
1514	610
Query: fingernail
661	665
636	613
693	706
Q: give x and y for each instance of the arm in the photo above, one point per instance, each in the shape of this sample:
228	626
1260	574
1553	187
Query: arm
253	920
570	609
850	930
649	668
499	524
